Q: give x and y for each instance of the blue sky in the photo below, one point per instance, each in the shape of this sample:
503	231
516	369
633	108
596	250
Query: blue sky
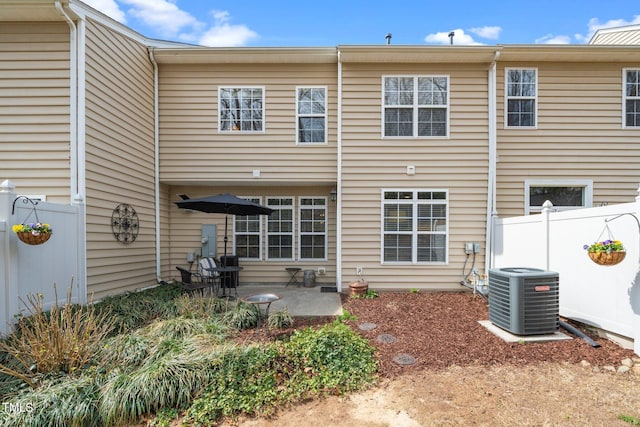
331	22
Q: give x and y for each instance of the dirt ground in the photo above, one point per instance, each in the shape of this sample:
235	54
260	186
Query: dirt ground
465	375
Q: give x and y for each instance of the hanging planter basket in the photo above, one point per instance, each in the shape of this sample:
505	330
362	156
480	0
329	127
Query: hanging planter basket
606	252
611	258
31	233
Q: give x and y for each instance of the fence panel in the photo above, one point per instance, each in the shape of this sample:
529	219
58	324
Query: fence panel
607	297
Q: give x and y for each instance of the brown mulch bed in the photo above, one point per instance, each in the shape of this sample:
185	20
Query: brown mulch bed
442	329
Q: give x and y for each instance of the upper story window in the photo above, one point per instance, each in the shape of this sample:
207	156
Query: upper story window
414	226
311	111
521	97
241	109
631	98
416	106
564	195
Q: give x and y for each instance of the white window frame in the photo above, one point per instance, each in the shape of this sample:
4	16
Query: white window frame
585	183
293	227
507	98
220	109
312	115
259	233
416	107
415	232
625	97
313	233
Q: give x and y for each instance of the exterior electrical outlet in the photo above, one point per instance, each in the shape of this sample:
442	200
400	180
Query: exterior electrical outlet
476	247
468	248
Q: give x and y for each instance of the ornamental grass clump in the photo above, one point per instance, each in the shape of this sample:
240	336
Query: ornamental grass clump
62	340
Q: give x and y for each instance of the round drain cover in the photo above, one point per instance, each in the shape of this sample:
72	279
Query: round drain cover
404	359
367	326
386	338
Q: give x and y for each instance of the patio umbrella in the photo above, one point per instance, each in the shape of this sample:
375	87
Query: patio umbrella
226	204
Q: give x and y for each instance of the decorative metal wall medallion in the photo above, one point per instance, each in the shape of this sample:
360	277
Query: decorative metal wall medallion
124	224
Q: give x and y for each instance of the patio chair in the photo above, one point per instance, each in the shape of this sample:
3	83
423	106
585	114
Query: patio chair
208	275
191	282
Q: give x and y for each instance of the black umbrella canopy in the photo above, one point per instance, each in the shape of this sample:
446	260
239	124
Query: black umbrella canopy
224	203
227	204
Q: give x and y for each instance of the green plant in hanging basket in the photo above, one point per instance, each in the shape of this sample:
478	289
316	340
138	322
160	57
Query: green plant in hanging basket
33	233
607	252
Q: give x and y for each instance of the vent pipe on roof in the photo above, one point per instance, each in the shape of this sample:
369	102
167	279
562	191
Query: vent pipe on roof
451	34
388	37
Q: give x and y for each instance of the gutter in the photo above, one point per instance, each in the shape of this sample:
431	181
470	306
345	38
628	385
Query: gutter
339	183
493	156
156	162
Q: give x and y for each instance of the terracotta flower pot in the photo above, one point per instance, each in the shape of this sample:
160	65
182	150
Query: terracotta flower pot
358	287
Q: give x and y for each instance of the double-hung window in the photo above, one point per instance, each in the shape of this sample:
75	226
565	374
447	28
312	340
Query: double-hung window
311	111
280	228
631	98
416	106
248	235
313	228
564	195
414	226
521	94
241	109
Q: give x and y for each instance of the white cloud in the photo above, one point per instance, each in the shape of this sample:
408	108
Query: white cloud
224	34
594	25
165	16
459	38
487	32
109	8
551	39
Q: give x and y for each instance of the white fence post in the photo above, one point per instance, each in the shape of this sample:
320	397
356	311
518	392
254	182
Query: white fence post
8	259
634	290
546	210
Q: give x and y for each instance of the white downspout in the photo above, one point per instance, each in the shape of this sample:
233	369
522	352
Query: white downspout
156	163
491	179
339	183
77	167
73	99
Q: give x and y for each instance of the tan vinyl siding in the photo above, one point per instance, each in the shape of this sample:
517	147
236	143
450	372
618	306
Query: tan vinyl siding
579	135
119	160
186	229
34	108
193	151
618	36
370	163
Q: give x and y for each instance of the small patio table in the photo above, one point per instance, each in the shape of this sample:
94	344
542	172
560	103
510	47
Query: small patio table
292	272
234	275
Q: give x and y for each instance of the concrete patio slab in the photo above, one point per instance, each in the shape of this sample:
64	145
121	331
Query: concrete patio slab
300	301
509	337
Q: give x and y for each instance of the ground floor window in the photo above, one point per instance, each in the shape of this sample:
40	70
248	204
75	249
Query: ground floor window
415	226
248	234
313	228
564	195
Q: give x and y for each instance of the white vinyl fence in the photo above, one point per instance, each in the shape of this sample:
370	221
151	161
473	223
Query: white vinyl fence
35	269
607	297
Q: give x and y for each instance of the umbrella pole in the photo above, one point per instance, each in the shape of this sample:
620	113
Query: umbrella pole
226	218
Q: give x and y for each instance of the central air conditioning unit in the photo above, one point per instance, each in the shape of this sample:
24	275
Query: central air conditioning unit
524	301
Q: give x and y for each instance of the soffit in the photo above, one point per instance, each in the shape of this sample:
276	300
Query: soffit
30	10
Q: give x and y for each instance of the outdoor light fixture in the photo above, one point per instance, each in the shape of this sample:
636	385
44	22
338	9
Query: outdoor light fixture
333	193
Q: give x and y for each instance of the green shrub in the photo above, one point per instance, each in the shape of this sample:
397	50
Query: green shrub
330	359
